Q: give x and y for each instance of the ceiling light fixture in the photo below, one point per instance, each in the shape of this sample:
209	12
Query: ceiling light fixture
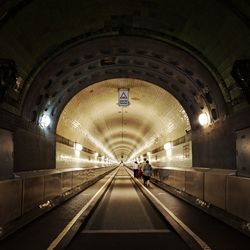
167	146
78	147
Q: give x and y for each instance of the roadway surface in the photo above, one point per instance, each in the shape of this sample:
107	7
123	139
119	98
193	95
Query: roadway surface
124	219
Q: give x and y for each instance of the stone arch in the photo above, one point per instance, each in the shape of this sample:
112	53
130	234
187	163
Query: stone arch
158	62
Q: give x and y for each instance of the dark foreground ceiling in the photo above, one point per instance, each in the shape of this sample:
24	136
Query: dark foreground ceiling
186	47
214	32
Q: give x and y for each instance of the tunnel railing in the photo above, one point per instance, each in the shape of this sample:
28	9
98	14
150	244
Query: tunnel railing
206	188
39	191
30	194
212	190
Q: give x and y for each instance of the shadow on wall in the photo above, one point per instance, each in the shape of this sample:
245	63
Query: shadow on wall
6	154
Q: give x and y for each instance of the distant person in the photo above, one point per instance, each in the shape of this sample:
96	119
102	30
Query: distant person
146	173
135	169
139	174
143	163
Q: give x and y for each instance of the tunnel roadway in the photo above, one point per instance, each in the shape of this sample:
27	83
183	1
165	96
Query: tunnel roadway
124	219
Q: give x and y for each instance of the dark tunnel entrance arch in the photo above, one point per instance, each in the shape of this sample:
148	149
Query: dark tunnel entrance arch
124	56
152	60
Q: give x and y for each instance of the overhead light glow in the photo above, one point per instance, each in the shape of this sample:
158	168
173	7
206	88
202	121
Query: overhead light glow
78	147
45	121
203	119
167	146
149	143
91	138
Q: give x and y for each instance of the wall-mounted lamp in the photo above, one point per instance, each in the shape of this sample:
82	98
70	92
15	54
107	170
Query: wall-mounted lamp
44	121
204	119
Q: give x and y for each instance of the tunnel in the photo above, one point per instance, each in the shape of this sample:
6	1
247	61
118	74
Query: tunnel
118	131
89	87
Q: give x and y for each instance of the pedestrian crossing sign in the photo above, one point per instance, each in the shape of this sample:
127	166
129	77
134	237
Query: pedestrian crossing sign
123	97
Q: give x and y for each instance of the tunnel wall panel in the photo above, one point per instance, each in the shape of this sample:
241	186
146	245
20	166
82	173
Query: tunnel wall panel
243	152
195	184
52	186
67	181
238	199
179	180
6	154
179	156
33	151
77	178
214	147
33	192
169	177
215	189
67	157
10	200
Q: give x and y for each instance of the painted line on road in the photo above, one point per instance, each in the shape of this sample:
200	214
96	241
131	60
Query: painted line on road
64	232
200	242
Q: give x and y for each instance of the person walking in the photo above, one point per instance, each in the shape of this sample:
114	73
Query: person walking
135	169
146	173
142	167
139	174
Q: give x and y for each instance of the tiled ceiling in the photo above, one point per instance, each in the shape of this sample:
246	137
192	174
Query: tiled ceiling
94	119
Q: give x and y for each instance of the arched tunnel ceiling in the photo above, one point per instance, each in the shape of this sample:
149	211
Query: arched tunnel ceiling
94	119
216	32
124	56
